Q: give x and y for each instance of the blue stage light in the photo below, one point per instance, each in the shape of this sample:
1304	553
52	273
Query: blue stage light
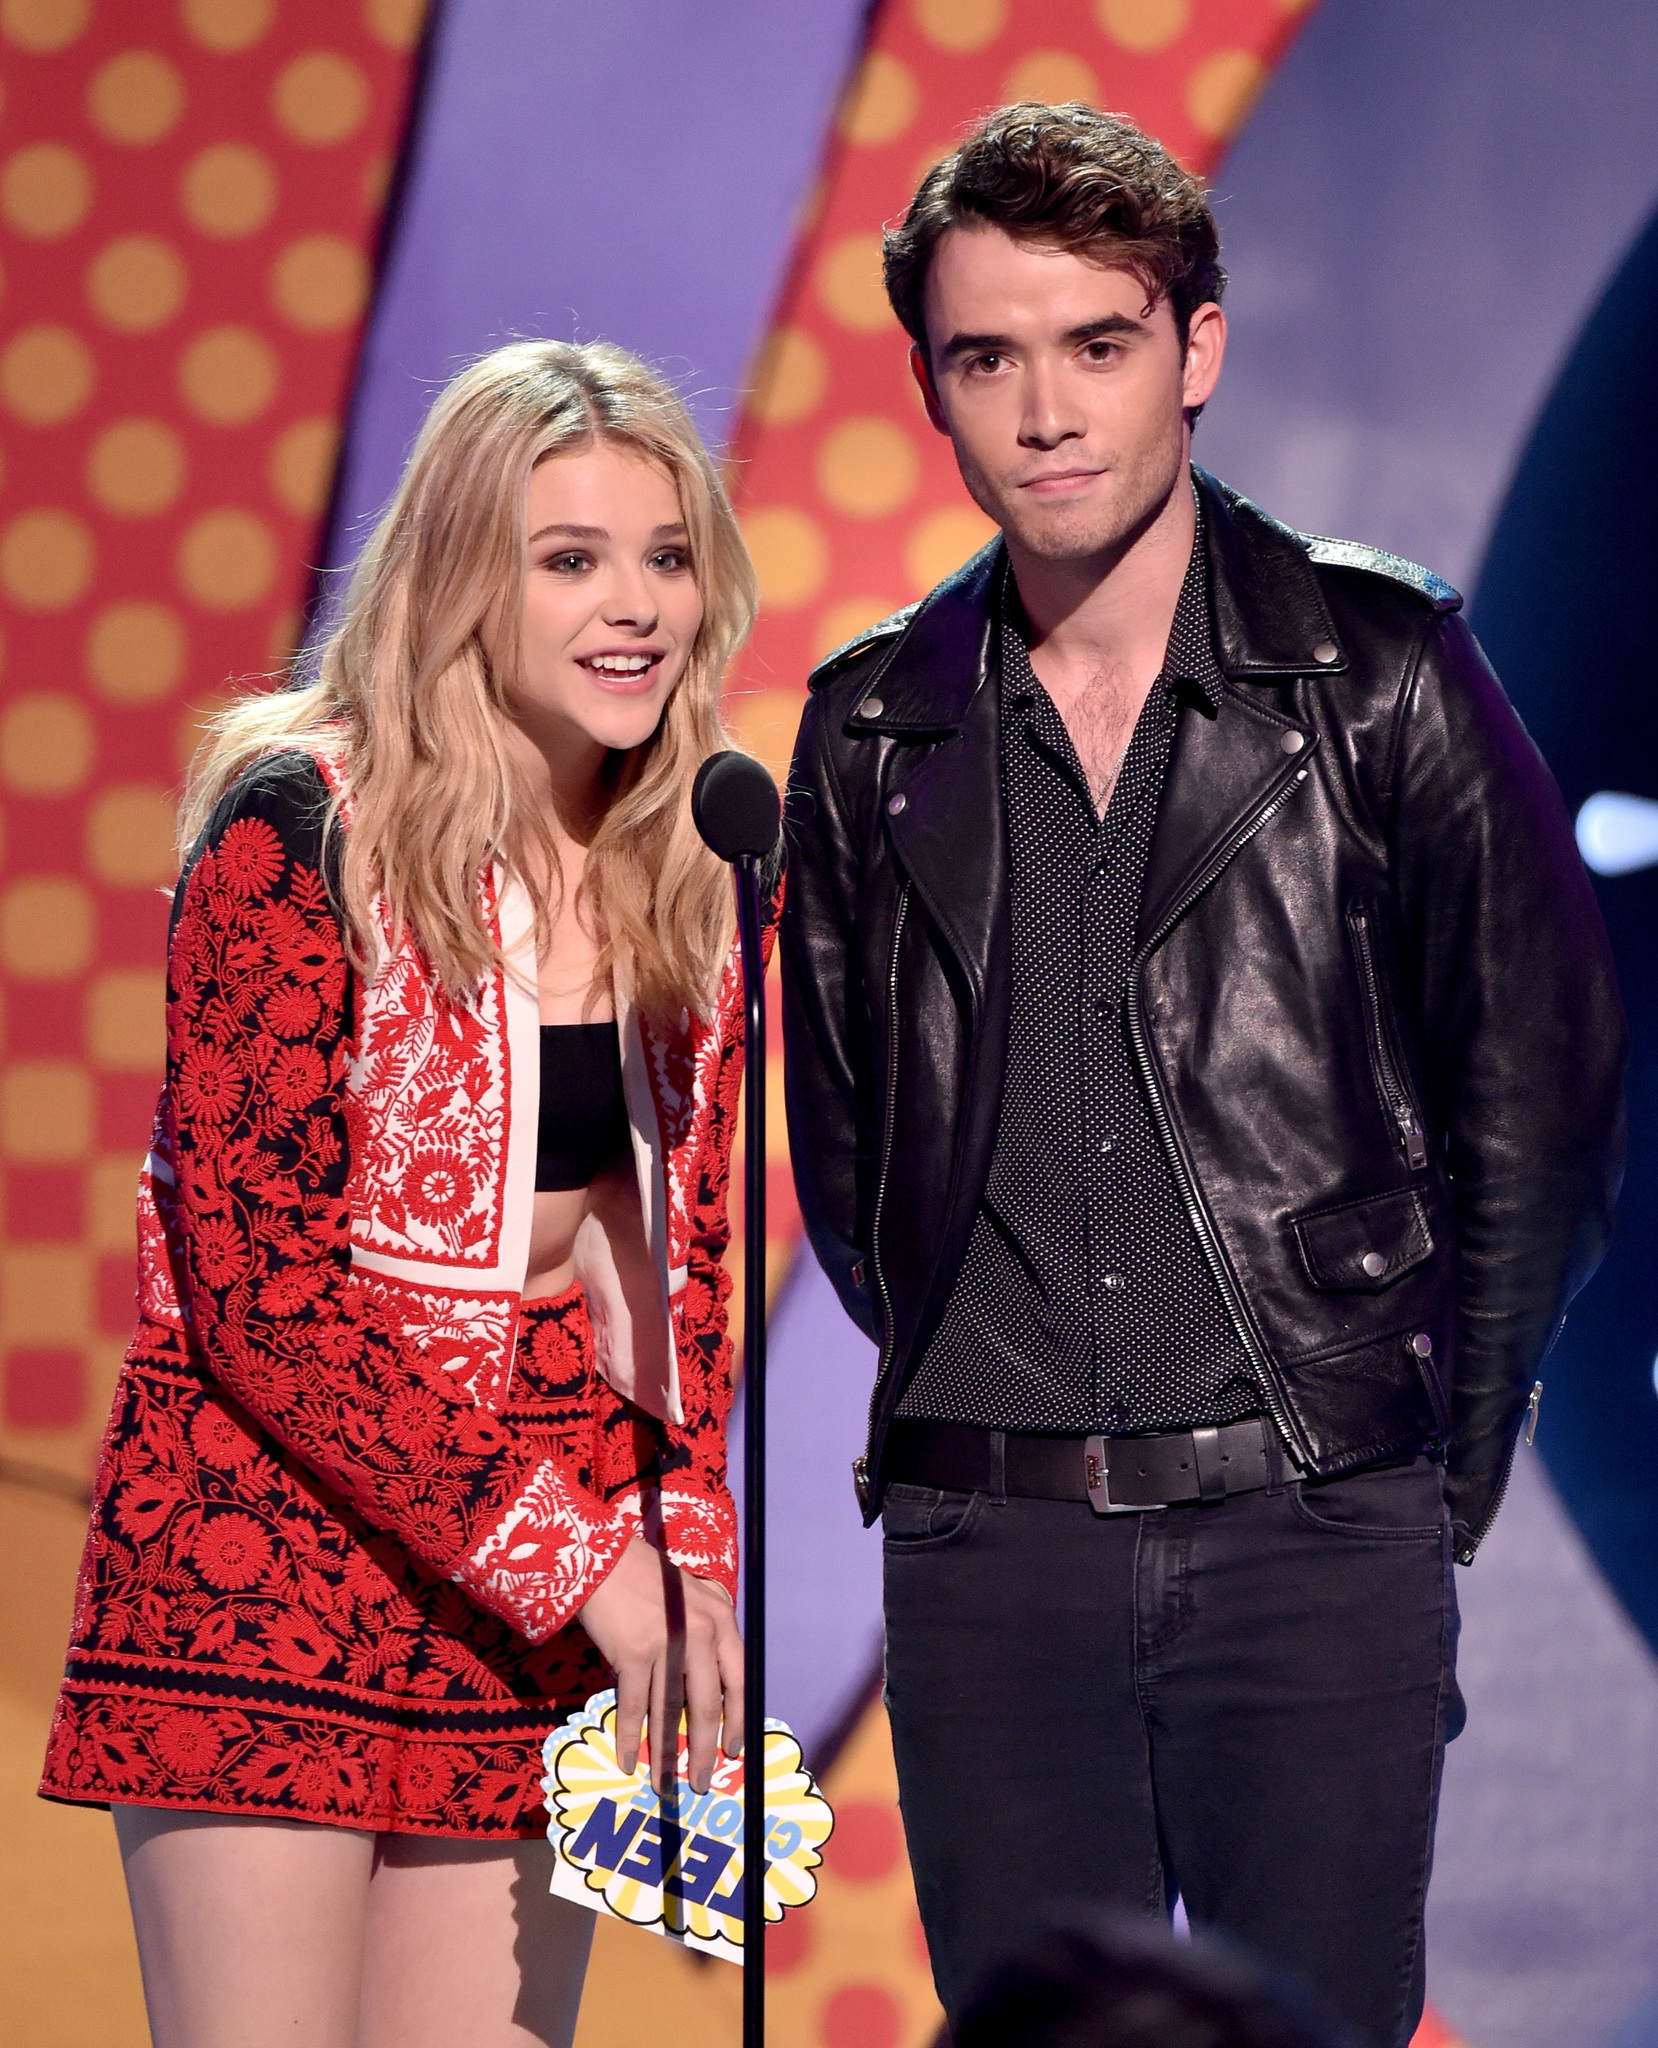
1617	834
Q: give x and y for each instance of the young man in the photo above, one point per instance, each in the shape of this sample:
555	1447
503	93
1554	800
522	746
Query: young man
1204	1081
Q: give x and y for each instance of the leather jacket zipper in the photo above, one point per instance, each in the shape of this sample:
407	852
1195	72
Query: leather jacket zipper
886	1157
1163	1123
1390	1083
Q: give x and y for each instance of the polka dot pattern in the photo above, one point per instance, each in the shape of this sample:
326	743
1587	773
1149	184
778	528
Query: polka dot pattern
189	196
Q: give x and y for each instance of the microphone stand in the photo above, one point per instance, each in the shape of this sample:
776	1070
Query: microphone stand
754	1453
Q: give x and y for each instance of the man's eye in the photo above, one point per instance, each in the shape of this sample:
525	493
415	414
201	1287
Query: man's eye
991	362
1101	351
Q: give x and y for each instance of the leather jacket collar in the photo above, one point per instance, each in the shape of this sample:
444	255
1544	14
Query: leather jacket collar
1270	620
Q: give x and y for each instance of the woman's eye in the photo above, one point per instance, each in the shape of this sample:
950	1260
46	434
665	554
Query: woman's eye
670	560
567	564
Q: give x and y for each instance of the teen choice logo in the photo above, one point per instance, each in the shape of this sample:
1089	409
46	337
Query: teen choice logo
674	1863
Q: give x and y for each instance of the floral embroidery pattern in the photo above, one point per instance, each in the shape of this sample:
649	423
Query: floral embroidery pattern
246	1643
545	1555
469	1336
267	1619
428	1110
702	1536
255	1133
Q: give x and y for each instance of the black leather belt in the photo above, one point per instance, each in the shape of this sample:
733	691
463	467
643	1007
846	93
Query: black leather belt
1115	1475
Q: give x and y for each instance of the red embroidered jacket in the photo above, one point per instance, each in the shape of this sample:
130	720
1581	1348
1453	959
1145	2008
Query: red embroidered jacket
337	1212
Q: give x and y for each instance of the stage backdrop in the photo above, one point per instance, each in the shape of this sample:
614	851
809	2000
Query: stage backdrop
1421	212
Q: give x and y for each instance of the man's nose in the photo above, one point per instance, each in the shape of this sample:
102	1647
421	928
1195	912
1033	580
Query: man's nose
1049	414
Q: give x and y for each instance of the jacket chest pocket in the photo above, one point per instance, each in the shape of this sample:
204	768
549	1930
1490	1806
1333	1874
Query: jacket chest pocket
1363	1247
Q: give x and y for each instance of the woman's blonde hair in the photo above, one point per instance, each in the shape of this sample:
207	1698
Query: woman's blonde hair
406	701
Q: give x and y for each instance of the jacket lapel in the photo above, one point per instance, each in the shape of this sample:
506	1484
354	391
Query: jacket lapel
1271	623
949	832
1226	769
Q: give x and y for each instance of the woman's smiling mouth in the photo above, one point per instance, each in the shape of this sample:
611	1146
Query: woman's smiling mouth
619	670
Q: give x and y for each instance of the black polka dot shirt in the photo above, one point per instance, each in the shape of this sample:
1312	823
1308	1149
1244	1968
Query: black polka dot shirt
1084	1302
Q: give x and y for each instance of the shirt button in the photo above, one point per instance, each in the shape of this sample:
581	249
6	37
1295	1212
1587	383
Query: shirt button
1114	1283
895	804
1374	1264
1102	1006
1108	1145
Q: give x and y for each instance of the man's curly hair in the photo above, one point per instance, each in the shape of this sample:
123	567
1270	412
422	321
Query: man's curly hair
1076	179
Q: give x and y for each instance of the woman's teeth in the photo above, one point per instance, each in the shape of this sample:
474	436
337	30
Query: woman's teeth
620	664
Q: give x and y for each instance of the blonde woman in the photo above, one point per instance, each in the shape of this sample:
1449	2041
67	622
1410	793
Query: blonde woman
422	1429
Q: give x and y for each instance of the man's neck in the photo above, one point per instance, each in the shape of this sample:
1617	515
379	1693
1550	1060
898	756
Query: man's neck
1109	617
1100	632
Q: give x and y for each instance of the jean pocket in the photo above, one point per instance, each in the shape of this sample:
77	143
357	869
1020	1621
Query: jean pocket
1394	1503
927	1517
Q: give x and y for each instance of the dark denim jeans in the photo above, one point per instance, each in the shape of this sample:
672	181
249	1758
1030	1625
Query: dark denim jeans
1246	1702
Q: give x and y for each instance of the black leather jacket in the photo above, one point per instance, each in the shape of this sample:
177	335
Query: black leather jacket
1372	1003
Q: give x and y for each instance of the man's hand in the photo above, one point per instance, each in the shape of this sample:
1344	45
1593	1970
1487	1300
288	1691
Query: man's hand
672	1641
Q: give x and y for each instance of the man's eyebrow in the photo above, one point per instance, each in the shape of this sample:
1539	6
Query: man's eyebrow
997	344
972	345
1108	323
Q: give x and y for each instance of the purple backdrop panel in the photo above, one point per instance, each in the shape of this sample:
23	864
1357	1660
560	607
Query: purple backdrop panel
627	172
823	1567
1418	217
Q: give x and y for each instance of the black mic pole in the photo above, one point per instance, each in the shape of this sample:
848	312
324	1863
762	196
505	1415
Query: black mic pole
735	805
754	1454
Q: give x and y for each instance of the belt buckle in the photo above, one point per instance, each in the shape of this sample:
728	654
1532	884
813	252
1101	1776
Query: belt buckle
1097	1476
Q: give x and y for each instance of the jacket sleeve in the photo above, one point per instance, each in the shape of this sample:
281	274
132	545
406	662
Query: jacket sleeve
1524	1036
699	1516
828	1078
257	1057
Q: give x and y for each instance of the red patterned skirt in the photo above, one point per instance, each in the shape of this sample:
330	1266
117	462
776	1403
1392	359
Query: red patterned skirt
244	1643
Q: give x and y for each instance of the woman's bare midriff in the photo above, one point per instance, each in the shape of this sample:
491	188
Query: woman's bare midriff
553	1226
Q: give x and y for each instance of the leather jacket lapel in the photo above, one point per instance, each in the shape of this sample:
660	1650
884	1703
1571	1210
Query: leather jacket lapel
950	838
1227	772
943	803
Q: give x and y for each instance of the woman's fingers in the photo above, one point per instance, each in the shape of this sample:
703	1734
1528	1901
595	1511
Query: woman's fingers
728	1647
664	1724
633	1700
702	1700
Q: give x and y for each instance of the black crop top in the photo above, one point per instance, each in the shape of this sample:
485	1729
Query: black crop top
583	1126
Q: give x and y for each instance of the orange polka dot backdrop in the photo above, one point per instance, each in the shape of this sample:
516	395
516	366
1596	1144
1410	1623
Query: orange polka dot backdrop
190	192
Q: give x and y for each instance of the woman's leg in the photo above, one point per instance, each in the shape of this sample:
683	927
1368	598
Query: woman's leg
250	1932
466	1944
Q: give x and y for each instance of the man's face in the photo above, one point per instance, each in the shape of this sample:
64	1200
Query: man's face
1064	393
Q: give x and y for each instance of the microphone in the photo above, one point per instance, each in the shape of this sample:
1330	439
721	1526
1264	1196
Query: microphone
735	806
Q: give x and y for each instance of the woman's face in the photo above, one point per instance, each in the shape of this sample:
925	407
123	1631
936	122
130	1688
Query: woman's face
611	605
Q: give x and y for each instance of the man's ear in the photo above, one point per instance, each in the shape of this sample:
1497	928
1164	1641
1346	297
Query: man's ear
1205	349
923	376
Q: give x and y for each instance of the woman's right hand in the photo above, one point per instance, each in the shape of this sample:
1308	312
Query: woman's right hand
672	1641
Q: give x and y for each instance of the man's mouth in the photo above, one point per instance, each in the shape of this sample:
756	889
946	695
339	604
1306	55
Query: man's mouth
1056	480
